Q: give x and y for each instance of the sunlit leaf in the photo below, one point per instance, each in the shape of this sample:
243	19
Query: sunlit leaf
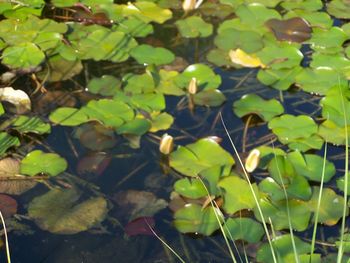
146	54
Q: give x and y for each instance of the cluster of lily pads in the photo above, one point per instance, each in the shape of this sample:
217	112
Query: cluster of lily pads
290	43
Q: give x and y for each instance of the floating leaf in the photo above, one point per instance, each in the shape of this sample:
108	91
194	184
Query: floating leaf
339	9
211	98
192	218
230	38
333	133
57	212
147	12
107	85
194	26
253	104
280	79
244	229
68	116
338	62
310	5
241	58
9	169
324	40
94	163
146	54
283	246
135	127
294	29
37	162
311	166
140	226
161	121
331	208
192	159
7	141
288	127
190	188
23	55
24	124
238	195
8	206
256	14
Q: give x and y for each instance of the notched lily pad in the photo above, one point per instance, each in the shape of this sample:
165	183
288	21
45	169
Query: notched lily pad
37	162
57	211
253	104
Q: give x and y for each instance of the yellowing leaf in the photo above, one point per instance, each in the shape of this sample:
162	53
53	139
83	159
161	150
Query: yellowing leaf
239	57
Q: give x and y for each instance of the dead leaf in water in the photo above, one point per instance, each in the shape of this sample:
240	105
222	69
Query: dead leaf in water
8	206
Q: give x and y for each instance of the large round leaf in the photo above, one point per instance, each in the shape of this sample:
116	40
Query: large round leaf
194	26
190	160
238	194
146	54
192	218
252	103
37	162
23	55
57	211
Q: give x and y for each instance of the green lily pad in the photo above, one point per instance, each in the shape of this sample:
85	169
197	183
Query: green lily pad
283	247
205	76
161	121
278	57
57	211
147	12
137	84
7	141
311	166
341	183
316	19
135	27
256	14
283	172
253	104
68	116
238	194
146	54
331	208
135	127
248	41
280	79
288	127
333	133
107	85
267	154
339	9
318	80
24	55
194	26
244	229
220	58
37	162
212	98
194	219
327	39
299	214
25	124
337	62
311	5
305	144
191	188
167	83
336	105
192	159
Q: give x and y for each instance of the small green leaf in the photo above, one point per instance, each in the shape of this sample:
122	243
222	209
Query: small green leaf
37	162
191	188
194	26
68	116
146	54
244	229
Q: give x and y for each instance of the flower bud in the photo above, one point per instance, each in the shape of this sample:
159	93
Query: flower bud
166	144
252	160
188	5
192	86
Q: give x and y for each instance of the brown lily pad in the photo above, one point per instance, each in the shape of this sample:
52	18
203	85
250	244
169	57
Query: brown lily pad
295	29
8	206
10	181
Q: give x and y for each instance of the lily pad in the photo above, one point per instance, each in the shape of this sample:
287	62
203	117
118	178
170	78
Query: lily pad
190	188
256	14
212	98
9	169
192	159
324	40
23	55
57	211
107	85
332	133
146	54
68	116
7	141
24	124
310	5
37	162
194	26
238	195
337	62
147	12
253	104
288	127
244	229
331	208
311	166
339	9
161	121
192	218
280	79
135	127
283	247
